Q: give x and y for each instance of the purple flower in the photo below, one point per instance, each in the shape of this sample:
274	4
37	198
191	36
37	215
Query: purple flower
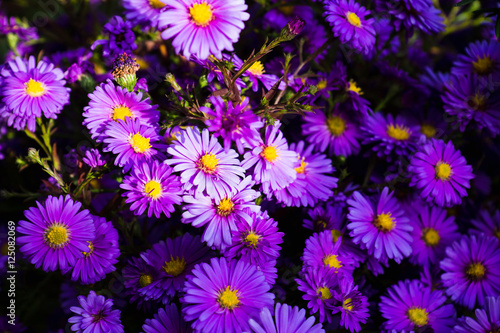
223	295
471	270
487	223
410	304
286	319
481	58
203	28
121	38
440	173
203	163
151	185
56	234
348	22
145	12
95	315
324	218
383	228
256	73
93	158
354	306
487	319
167	320
142	281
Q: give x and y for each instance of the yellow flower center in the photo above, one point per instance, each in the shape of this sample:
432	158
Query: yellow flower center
431	236
476	271
257	68
353	19
270	153
335	235
477	102
336	125
347	304
34	88
175	266
153	189
321	223
418	316
120	112
332	261
91	250
201	14
398	132
321	85
56	235
139	143
497	233
385	222
443	171
483	66
145	280
252	239
428	130
324	293
208	163
156	4
353	87
228	298
225	207
302	167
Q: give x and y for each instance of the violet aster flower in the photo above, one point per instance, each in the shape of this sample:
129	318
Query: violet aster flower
336	132
382	228
353	306
481	58
30	89
273	162
109	102
167	320
145	12
322	218
410	304
152	186
203	28
286	319
433	231
348	22
256	73
93	158
175	258
234	123
223	295
142	281
56	234
121	38
440	173
487	223
101	255
487	319
132	142
221	212
95	315
203	163
471	270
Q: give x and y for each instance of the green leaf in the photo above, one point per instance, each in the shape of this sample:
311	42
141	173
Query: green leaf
497	27
464	2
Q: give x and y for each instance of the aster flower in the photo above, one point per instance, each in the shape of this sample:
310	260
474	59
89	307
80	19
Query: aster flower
268	268
318	286
471	270
324	218
440	173
95	315
336	132
382	228
121	38
110	103
234	123
223	295
348	22
256	73
432	232
56	233
353	306
286	319
487	223
273	162
221	212
167	320
481	58
146	12
142	281
93	158
132	142
203	163
151	185
175	258
101	255
203	27
30	89
410	304
487	319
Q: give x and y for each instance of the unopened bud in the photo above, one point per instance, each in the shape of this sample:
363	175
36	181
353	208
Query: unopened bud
170	78
33	155
124	69
292	28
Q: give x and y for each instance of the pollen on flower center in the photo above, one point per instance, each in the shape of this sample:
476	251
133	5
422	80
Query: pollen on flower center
270	153
91	249
228	298
347	304
153	189
336	125
321	223
443	171
428	130
483	65
225	207
252	239
321	84
398	132
476	271
431	236
257	68
120	112
385	222
477	102
354	88
302	167
418	316
156	4
175	266
324	293
208	163
332	261
34	88
201	14
139	143
353	19
145	280
335	235
56	235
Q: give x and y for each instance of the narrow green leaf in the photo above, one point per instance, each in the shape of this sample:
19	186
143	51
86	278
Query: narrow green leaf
497	28
464	2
